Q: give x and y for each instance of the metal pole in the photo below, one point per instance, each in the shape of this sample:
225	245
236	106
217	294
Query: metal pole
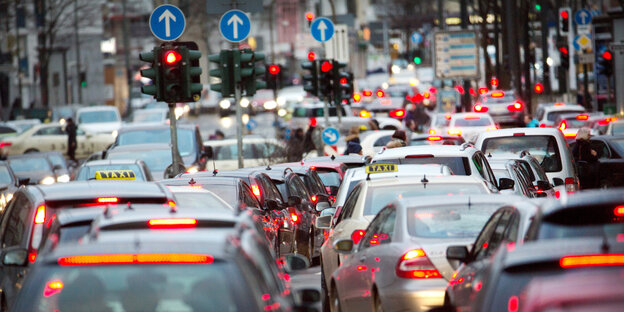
177	166
326	111
127	57
239	124
19	72
545	66
76	38
272	38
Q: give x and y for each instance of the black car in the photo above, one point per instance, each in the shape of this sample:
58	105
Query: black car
610	150
8	184
352	161
312	180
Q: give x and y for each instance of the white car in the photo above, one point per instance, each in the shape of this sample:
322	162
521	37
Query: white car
99	119
547	114
615	128
312	114
256	152
150	116
469	125
547	145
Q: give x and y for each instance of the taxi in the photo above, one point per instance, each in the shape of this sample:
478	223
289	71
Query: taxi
547	114
114	169
469	125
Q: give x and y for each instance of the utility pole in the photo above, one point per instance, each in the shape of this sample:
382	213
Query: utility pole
546	10
19	71
77	47
126	43
466	97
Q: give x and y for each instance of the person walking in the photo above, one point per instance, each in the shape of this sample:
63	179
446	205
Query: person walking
586	160
70	129
399	139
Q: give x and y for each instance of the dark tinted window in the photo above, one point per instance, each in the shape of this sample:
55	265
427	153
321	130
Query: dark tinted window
458	165
5	175
582	222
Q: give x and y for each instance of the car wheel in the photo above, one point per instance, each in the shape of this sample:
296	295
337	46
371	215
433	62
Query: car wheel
334	300
377	302
31	150
325	300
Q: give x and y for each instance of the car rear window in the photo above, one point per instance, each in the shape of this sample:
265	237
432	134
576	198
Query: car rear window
472	122
458	165
618	128
543	147
588	221
456	221
21	165
552	116
202	201
180	287
435	141
575	123
329	178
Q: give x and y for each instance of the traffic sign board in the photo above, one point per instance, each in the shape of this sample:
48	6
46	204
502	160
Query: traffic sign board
456	54
167	22
583	17
582	41
322	29
235	26
416	38
330	136
338	47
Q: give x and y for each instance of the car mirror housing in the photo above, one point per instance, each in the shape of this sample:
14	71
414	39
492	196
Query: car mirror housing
558	181
14	256
505	184
323	222
459	253
344	246
322	206
328	211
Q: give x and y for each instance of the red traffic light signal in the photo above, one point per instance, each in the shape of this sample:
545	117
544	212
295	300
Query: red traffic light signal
563	50
607	55
343	80
172	57
494	82
274	69
564	14
326	66
311	56
309	16
539	88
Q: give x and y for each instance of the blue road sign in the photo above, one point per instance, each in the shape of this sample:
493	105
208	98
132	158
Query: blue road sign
330	136
167	22
416	38
235	26
251	124
583	17
322	29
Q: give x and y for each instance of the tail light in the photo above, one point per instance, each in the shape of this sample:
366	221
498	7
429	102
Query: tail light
380	93
294	217
5	144
619	211
433	90
563	125
52	288
255	189
483	90
570	135
416	264
367	92
356	97
591	260
108	200
397	113
515	107
513	304
542	125
434	138
480	108
314	198
582	117
134	259
365	113
498	94
426	95
175	223
37	233
313	122
454	131
357	235
431	131
571	184
417	98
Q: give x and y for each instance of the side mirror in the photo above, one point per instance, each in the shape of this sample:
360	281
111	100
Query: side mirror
543	185
24	181
294	200
328	212
272	204
505	184
459	253
294	262
14	256
309	296
322	206
208	153
323	222
344	246
558	181
333	190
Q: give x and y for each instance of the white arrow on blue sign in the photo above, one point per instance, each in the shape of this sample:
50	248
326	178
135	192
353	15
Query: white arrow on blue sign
583	17
330	136
167	22
235	26
322	29
416	38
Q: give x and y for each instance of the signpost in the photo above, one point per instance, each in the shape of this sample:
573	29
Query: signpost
582	42
322	29
456	55
338	46
235	26
167	22
330	136
416	38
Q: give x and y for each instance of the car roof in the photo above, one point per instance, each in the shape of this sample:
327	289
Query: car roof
402	170
413	179
140	147
436	150
526	131
346	159
201	180
565	107
143	126
445	200
584	199
104	162
94	189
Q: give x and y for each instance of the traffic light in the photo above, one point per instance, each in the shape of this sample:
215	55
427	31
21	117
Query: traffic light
310	80
539	88
272	76
193	86
224	71
606	62
249	72
325	78
564	20
172	74
416	57
152	73
564	55
340	84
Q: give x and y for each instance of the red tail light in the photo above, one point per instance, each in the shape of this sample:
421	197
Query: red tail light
356	97
515	107
364	113
498	94
483	90
108	200
480	108
434	138
294	217
256	190
591	260
433	90
134	259
570	135
563	125
431	131
313	122
314	198
380	93
582	117
542	125
37	233
417	98
175	223
4	144
416	264
52	288
40	215
357	235
426	95
397	113
571	184
619	211
513	304
367	92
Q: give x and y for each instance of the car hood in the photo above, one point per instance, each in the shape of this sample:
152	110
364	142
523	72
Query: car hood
34	176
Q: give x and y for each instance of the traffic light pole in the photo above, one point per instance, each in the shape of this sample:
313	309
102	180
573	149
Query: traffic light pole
176	166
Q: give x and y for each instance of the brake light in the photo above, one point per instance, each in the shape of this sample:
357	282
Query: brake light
365	113
518	134
483	90
433	90
515	107
37	233
171	203
52	288
176	223
294	217
314	198
570	135
471	117
563	125
559	104
480	108
542	125
497	94
419	156
431	131
426	95
454	131
134	259
397	113
357	235
367	92
491	129
256	190
380	93
582	117
570	184
4	144
447	116
591	260
513	304
434	138
416	264
40	215
619	211
356	97
108	200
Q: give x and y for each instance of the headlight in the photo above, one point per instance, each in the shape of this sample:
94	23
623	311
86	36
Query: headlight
270	105
225	104
192	169
385	85
62	121
282	112
281	101
115	133
179	111
63	178
244	102
47	180
245	118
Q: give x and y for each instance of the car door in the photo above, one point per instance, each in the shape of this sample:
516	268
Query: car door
46	139
611	166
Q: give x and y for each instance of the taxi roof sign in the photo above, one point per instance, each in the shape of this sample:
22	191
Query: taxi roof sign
381	168
115	175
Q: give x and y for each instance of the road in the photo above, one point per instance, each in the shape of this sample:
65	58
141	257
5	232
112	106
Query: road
209	123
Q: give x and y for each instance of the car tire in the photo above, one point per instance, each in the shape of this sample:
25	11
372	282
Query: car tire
334	300
324	293
377	307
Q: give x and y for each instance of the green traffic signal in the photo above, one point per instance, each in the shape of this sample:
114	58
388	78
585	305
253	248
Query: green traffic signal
538	7
417	60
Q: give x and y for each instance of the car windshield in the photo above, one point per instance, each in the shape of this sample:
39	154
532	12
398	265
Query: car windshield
456	221
5	175
155	287
618	128
98	116
149	116
552	116
202	200
379	197
88	172
186	138
543	147
156	160
473	122
458	165
619	143
329	178
20	165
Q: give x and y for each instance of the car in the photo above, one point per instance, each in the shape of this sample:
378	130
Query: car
462	160
536	174
52	137
469	125
26	218
570	124
351	161
99	119
7	130
547	145
547	114
256	152
24	124
504	106
610	154
313	113
331	174
190	146
373	141
512	169
404	245
9	183
312	180
61	113
388	103
438	123
200	198
434	139
615	128
150	116
61	168
89	170
157	157
34	168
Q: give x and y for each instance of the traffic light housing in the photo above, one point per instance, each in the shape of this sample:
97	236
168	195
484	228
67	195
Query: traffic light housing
249	72
606	63
564	20
416	57
272	73
224	72
193	86
152	73
172	74
325	78
311	79
340	82
564	55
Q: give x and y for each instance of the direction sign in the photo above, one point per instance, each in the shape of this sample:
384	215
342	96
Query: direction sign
322	29
167	22
456	54
416	38
338	46
582	42
330	136
235	26
582	17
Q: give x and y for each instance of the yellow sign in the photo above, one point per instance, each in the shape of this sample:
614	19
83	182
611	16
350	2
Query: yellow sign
380	168
115	175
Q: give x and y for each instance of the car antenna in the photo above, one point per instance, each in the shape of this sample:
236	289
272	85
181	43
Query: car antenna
490	155
214	172
268	167
424	180
129	206
107	212
192	182
605	244
333	157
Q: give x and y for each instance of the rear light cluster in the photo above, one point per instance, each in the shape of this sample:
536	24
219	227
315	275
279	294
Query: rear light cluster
397	113
357	235
380	93
174	223
134	259
364	113
434	138
603	122
480	108
563	125
367	92
416	264
52	288
619	211
591	260
498	94
582	117
571	185
255	189
515	107
37	233
5	144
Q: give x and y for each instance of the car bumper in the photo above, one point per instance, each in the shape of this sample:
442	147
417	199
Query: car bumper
413	295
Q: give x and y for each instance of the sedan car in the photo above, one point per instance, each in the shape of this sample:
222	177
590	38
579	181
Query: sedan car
469	125
503	105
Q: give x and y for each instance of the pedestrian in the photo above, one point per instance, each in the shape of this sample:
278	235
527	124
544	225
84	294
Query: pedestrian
296	146
218	135
353	148
70	129
586	160
354	135
399	139
531	122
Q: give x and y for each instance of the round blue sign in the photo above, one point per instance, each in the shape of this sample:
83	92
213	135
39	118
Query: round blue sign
167	22
330	136
235	26
322	29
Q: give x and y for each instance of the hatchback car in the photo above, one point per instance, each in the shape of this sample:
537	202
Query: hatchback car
88	171
504	106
